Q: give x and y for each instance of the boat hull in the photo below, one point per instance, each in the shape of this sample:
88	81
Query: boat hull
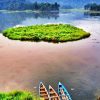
53	94
43	93
63	93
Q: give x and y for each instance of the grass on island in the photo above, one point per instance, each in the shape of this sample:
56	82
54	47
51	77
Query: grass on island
50	33
18	95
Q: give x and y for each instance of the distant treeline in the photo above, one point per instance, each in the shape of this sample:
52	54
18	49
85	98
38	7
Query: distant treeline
92	7
66	7
30	6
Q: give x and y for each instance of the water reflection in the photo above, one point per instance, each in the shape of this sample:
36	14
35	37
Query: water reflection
92	14
11	19
75	64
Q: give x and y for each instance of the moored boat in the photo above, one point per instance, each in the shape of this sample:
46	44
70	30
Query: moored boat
43	92
53	94
63	93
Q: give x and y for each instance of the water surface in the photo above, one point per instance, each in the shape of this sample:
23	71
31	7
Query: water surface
76	64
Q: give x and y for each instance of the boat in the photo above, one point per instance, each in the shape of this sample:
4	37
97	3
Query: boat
43	93
53	94
63	93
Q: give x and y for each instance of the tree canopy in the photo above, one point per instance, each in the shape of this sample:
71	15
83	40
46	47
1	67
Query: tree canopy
14	5
92	6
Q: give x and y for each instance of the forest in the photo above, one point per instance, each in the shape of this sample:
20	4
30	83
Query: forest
92	7
30	6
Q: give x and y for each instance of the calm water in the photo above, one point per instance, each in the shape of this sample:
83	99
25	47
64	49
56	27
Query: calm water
76	64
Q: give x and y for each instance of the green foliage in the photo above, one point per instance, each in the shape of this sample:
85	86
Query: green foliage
92	7
15	5
18	95
49	32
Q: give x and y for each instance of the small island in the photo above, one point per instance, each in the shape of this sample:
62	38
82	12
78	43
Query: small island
49	33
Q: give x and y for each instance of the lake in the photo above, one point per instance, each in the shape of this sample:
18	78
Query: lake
76	64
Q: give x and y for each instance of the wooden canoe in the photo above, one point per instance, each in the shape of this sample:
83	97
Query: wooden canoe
63	93
53	94
43	93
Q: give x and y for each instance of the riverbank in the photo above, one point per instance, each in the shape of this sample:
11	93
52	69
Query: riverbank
50	33
27	11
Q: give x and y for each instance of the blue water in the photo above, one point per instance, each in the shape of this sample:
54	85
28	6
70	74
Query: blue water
10	19
76	64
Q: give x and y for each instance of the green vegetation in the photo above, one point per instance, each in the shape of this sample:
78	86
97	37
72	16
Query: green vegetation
50	32
18	95
92	7
23	5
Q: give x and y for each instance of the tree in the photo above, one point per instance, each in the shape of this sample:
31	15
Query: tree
56	6
21	5
92	6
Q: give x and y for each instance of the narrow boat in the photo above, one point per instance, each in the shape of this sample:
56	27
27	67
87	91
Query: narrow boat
63	93
43	93
53	94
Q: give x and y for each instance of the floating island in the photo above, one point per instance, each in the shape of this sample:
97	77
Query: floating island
49	33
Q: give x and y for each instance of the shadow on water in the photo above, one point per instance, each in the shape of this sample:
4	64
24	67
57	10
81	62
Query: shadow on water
11	19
